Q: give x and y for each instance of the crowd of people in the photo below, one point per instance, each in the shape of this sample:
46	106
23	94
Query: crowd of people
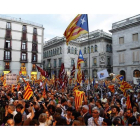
100	107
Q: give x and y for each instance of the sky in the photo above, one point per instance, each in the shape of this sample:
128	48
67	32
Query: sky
55	24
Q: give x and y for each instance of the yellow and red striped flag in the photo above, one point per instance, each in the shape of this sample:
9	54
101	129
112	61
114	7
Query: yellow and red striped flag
112	89
4	83
18	86
13	87
124	85
28	92
78	26
76	87
78	98
128	103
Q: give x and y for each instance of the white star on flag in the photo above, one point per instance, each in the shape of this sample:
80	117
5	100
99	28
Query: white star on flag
80	55
82	21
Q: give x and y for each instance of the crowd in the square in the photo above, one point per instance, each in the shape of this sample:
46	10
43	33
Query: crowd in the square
100	107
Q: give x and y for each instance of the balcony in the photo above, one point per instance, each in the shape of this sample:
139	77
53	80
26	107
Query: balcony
8	34
34	69
24	50
23	60
34	50
34	62
7	68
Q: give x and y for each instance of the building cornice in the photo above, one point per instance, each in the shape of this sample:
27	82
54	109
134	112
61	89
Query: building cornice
135	48
121	50
21	21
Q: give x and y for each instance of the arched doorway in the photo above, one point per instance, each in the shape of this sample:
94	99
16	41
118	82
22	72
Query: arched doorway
122	72
136	73
86	73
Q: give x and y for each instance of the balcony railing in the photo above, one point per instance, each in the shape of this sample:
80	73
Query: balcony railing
23	60
7	67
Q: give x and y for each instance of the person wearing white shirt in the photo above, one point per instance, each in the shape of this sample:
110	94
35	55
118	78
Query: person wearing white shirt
95	120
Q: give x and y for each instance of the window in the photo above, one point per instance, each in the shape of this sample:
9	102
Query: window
107	47
75	50
88	49
121	58
108	60
35	31
60	50
7	65
135	37
136	56
35	38
23	57
72	62
136	73
94	61
49	53
46	54
60	61
34	47
54	63
121	40
94	73
7	44
57	50
34	57
95	48
68	49
7	55
111	48
85	50
23	36
8	25
85	62
72	50
91	49
24	28
53	52
23	46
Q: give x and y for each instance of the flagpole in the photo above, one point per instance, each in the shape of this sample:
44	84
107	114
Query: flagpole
89	49
89	53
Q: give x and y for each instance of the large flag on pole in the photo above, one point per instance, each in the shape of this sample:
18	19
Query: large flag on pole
79	74
78	26
44	73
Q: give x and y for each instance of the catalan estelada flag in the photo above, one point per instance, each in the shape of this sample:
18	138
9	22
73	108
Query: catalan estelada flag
120	77
78	98
79	74
78	26
28	92
76	87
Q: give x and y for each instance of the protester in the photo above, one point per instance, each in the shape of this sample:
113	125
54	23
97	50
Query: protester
53	106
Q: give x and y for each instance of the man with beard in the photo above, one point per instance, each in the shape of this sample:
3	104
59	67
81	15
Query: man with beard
131	119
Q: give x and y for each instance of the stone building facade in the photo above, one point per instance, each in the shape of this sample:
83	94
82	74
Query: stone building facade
126	47
21	46
99	44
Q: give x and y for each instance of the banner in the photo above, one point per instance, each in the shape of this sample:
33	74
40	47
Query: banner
102	74
11	79
135	80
